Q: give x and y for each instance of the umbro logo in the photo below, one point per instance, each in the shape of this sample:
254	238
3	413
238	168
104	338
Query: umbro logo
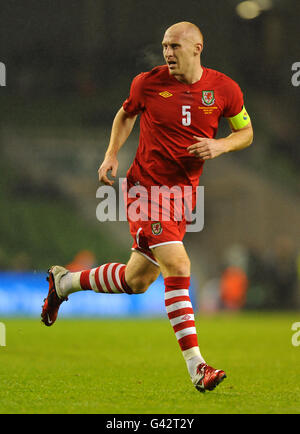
186	317
165	94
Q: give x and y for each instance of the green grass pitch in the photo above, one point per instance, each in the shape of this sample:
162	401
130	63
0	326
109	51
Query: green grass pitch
135	366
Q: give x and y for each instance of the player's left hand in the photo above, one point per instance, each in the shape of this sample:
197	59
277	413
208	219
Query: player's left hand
205	148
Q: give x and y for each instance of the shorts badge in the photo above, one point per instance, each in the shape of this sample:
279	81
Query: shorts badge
156	228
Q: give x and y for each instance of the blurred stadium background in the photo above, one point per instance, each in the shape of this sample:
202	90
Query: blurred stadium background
69	66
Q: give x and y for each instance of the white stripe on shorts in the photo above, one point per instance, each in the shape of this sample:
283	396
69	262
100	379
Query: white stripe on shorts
167	242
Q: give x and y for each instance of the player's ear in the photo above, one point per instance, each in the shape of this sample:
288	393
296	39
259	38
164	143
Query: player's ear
198	48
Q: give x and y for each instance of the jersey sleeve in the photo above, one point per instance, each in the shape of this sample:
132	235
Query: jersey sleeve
135	103
233	99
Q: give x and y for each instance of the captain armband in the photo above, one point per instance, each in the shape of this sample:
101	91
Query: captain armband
239	121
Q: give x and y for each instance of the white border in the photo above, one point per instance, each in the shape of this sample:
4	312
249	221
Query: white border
137	237
144	254
167	242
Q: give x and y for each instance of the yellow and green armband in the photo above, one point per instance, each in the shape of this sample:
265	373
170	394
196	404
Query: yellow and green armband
239	121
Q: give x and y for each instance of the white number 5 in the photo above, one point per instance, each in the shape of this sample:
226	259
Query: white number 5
186	115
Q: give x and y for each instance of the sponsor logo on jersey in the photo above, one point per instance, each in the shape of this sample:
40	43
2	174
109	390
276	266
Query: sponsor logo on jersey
156	228
165	94
208	97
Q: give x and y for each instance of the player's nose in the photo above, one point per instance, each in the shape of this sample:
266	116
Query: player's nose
168	52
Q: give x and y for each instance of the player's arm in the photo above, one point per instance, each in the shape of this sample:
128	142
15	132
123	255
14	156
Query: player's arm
242	132
122	126
240	138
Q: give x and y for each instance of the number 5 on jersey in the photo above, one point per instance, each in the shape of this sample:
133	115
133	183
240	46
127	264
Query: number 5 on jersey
186	115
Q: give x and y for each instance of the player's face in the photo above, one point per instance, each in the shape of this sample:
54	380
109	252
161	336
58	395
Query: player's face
179	53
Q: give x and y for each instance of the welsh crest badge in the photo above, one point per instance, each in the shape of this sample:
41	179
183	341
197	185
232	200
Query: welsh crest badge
208	97
156	228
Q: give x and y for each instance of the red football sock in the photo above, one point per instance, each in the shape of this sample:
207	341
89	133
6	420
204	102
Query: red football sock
181	315
108	278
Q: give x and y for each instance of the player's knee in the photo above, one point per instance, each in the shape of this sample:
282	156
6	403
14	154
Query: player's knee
180	267
140	284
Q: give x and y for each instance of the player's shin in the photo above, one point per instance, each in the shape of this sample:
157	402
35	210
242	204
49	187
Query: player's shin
181	315
108	278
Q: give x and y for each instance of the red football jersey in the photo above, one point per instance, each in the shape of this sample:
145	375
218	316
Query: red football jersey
171	114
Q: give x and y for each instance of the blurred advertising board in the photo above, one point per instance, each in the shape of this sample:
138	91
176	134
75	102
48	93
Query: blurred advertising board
22	295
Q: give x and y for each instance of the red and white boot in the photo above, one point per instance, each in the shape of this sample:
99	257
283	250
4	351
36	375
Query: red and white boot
54	298
207	378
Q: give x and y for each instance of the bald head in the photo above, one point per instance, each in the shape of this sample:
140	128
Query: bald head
182	47
186	30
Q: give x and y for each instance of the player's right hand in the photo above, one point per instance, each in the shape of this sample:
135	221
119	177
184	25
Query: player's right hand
109	164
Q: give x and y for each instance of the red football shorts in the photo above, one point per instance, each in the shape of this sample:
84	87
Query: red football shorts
148	233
